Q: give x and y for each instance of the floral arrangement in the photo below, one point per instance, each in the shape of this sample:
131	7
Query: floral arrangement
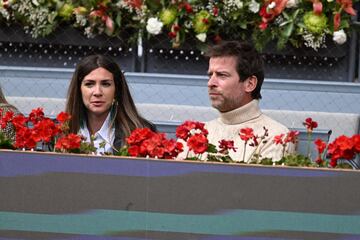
42	133
310	23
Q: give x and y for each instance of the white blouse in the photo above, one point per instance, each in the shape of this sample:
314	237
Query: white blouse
105	134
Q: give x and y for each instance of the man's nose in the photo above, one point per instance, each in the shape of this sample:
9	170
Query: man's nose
212	80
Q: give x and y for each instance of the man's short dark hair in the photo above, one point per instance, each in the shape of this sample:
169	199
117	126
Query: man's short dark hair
249	61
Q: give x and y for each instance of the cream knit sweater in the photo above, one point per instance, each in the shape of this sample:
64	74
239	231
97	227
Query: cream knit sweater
228	126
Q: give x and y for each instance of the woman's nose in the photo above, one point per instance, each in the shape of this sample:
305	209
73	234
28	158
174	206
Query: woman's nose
97	90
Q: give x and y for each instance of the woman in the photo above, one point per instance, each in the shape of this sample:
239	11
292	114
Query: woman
101	105
8	131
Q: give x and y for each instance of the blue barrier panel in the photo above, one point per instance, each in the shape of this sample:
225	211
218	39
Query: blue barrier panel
54	196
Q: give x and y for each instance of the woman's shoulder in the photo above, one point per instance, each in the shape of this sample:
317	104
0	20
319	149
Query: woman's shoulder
6	107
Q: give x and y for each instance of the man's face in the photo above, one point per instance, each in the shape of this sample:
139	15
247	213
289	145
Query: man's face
226	91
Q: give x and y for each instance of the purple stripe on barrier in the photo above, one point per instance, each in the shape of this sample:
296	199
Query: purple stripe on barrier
38	163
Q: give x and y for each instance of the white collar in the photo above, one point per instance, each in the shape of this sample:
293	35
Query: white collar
106	133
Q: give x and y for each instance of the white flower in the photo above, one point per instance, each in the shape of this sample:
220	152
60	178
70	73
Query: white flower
201	37
195	131
292	3
339	37
239	4
154	26
254	6
272	5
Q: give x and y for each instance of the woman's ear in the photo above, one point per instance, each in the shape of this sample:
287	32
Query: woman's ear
250	84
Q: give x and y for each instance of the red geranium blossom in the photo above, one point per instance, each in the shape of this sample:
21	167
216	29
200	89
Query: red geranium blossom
189	128
69	142
246	134
343	147
63	117
143	142
321	146
310	124
6	118
225	146
198	143
278	139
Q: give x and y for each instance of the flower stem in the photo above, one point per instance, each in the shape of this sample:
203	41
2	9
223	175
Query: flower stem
244	152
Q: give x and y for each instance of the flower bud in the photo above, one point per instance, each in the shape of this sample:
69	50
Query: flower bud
201	22
168	16
314	23
66	11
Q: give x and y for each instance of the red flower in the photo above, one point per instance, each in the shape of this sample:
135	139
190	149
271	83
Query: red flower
143	142
139	135
69	142
225	146
4	120
198	143
268	14
246	134
215	11
337	20
310	124
263	25
188	7
317	6
188	128
343	147
347	5
134	3
279	139
36	115
19	121
356	141
134	150
172	34
63	117
176	28
320	145
291	137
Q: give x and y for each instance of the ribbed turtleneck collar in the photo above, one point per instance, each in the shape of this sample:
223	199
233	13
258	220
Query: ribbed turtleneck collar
241	114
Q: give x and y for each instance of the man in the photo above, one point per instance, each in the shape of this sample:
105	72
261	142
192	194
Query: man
235	78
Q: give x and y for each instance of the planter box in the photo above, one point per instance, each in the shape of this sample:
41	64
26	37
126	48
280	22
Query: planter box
53	196
333	63
63	48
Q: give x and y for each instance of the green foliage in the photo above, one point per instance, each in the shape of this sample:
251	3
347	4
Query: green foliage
5	143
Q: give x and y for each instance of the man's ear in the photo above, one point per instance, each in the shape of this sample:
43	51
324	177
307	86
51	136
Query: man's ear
250	84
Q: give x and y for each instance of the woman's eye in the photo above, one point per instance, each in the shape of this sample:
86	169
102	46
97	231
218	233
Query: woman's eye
106	84
88	84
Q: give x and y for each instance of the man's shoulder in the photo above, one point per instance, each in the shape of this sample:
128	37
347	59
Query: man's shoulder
212	122
273	124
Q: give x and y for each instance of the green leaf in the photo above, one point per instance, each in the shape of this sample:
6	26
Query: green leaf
288	30
211	148
118	19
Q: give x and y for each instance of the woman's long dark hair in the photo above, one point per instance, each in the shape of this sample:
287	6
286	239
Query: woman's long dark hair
2	97
126	116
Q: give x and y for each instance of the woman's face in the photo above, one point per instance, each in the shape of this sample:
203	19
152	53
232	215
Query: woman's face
98	91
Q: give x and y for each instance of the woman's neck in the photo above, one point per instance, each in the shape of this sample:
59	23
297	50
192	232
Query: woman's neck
95	122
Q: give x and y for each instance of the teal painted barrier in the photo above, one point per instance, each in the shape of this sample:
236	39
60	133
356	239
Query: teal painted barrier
53	196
